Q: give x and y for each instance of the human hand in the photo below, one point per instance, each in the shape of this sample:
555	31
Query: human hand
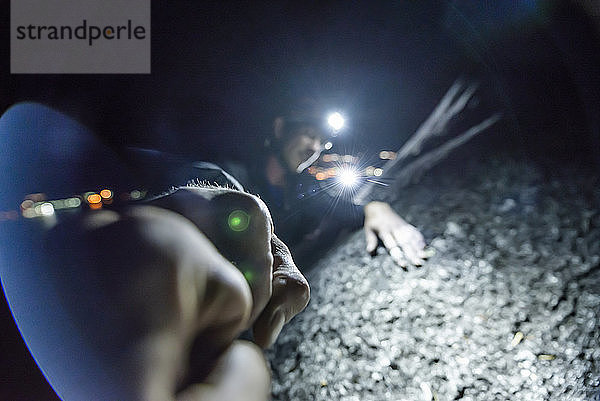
241	374
165	281
279	290
403	241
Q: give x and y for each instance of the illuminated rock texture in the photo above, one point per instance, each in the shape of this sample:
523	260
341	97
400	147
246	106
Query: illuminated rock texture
508	308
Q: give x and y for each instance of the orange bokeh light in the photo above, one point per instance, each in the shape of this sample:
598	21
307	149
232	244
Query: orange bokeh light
26	204
106	194
94	198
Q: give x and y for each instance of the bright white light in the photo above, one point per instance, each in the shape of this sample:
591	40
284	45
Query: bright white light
335	121
46	209
328	145
348	177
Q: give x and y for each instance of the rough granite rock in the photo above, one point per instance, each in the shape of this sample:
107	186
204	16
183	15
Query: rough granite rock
507	309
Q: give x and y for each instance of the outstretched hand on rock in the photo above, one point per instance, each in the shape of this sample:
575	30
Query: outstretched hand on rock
404	242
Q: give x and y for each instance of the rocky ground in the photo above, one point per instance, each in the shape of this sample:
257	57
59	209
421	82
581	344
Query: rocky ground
508	308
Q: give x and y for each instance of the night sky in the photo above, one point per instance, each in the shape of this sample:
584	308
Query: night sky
222	72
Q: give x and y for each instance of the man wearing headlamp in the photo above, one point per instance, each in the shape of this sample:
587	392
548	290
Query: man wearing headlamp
308	217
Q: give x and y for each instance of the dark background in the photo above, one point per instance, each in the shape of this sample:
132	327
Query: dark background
222	71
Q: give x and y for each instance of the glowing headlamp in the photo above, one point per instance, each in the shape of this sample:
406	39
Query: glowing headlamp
336	121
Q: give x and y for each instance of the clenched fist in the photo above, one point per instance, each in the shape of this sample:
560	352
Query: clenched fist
197	266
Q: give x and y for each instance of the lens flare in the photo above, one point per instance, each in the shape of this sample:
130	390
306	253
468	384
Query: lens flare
348	177
238	220
249	276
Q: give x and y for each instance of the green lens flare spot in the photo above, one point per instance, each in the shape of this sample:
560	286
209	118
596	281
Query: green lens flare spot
238	220
249	275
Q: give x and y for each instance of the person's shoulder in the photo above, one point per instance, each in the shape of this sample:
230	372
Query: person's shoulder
241	171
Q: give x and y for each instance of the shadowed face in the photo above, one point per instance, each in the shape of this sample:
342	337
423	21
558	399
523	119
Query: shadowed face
302	148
